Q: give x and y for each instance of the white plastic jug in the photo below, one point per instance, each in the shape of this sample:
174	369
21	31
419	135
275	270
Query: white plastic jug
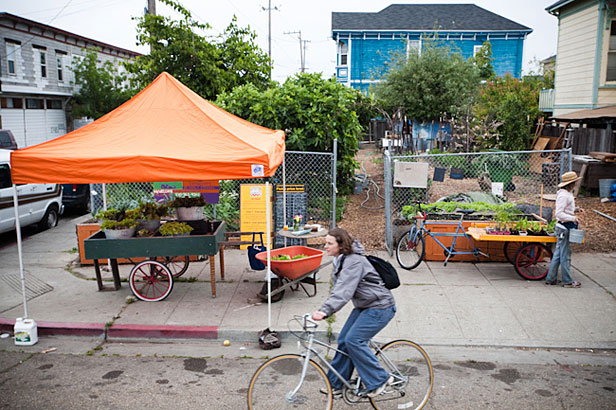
26	332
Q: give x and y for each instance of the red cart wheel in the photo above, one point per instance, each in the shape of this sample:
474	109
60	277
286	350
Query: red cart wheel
177	265
532	261
151	281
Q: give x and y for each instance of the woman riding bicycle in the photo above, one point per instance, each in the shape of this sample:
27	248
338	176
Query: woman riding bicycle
355	279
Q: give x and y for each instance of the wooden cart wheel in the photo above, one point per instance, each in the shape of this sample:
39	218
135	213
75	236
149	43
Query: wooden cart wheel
532	261
510	249
177	265
150	281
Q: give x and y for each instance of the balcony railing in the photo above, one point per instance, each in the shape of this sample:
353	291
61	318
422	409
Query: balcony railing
546	100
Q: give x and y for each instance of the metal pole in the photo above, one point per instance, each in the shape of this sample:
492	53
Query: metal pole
284	194
269	29
19	250
269	259
334	189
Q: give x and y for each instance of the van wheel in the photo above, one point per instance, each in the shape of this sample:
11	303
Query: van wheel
50	219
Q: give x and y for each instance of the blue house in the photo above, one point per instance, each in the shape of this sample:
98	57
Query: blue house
366	42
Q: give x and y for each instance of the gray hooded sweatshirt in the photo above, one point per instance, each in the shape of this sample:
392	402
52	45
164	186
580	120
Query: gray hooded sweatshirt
349	284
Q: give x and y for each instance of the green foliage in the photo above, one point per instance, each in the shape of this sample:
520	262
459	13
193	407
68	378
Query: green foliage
506	108
122	218
187	201
99	87
430	84
175	228
227	209
152	211
123	224
207	65
409	211
313	111
483	60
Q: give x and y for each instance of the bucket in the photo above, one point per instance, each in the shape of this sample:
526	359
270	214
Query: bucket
576	235
191	213
26	333
604	187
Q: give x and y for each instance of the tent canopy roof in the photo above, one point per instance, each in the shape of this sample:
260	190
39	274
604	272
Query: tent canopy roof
165	133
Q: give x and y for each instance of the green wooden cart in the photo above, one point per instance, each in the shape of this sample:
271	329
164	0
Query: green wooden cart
152	280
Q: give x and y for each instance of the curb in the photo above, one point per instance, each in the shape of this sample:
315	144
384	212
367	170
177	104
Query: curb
117	330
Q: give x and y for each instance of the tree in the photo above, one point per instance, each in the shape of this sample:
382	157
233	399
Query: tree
313	112
506	109
99	87
430	83
206	66
483	60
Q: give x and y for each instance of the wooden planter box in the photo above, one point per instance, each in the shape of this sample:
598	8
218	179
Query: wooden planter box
434	252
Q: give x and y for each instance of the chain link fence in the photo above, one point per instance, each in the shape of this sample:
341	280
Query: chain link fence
314	171
519	177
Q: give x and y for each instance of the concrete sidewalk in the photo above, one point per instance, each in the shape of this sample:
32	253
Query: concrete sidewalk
463	304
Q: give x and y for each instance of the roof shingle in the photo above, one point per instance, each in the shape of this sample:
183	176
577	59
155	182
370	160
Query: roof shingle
426	17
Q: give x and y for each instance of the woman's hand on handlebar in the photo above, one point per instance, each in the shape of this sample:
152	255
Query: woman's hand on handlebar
318	315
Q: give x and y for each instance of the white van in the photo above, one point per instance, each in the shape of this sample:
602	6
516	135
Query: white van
39	204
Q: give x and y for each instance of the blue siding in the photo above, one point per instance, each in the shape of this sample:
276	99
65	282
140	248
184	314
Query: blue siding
371	56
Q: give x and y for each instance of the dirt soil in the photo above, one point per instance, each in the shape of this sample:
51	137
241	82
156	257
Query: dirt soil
368	224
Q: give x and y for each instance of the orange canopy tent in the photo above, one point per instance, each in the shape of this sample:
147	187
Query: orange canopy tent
165	133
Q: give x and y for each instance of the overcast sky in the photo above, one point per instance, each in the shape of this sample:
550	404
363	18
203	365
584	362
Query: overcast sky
110	21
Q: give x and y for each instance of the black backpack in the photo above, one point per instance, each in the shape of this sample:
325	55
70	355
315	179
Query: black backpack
386	271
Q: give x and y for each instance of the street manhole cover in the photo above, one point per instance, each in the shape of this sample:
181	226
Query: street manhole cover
34	287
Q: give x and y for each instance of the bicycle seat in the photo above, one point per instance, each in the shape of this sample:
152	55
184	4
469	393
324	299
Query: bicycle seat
465	211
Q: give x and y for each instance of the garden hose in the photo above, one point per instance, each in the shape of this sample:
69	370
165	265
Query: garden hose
370	181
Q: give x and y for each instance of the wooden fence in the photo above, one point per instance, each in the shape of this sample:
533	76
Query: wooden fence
587	140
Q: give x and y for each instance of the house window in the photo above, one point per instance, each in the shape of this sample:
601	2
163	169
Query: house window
611	54
413	46
42	61
11	56
343	52
476	49
60	68
54	104
7	102
34	103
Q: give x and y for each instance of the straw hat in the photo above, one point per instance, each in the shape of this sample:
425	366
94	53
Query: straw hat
567	178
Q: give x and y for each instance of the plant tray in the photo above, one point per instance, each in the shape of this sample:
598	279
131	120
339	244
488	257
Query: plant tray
293	269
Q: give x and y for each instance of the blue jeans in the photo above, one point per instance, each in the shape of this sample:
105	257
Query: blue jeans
361	326
561	257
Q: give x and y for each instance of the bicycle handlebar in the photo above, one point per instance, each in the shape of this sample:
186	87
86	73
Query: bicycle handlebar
306	321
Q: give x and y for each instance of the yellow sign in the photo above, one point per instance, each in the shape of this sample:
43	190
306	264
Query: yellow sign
253	210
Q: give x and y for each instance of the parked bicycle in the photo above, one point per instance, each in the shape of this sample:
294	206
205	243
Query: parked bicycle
411	249
297	381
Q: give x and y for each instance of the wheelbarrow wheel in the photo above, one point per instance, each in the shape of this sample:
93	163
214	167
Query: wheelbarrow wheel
150	281
177	265
532	261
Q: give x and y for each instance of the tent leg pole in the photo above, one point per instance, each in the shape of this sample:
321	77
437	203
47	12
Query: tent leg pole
269	250
19	250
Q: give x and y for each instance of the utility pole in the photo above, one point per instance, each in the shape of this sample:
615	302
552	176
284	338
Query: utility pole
302	49
269	26
151	10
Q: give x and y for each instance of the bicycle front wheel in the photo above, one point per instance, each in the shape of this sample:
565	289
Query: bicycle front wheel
274	383
411	249
413	376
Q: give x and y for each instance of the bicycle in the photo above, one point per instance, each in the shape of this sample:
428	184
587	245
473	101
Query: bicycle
411	249
296	381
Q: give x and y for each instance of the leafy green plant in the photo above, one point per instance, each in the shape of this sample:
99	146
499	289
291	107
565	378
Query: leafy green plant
551	226
409	211
118	218
175	228
522	225
228	208
151	211
187	201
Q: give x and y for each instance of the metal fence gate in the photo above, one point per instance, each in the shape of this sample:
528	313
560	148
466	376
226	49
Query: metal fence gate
521	175
316	171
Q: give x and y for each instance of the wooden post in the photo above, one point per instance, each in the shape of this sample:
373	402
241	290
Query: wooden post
578	183
541	202
213	275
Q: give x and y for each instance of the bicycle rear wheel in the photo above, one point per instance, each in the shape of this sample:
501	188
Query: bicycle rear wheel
413	376
411	249
272	384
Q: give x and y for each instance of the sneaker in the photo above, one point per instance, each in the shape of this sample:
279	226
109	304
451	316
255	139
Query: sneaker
380	390
337	393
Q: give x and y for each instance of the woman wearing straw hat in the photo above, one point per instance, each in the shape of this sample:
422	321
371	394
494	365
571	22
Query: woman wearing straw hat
565	215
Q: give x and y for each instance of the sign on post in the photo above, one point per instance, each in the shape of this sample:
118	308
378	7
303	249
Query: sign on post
253	206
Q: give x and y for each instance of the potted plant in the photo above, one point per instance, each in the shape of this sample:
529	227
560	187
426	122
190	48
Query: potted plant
149	214
175	229
503	218
118	223
535	228
550	227
189	208
522	226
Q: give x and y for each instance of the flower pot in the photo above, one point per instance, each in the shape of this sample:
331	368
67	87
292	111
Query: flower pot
192	213
149	224
120	233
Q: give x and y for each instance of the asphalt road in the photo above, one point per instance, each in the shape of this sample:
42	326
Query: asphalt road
119	376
